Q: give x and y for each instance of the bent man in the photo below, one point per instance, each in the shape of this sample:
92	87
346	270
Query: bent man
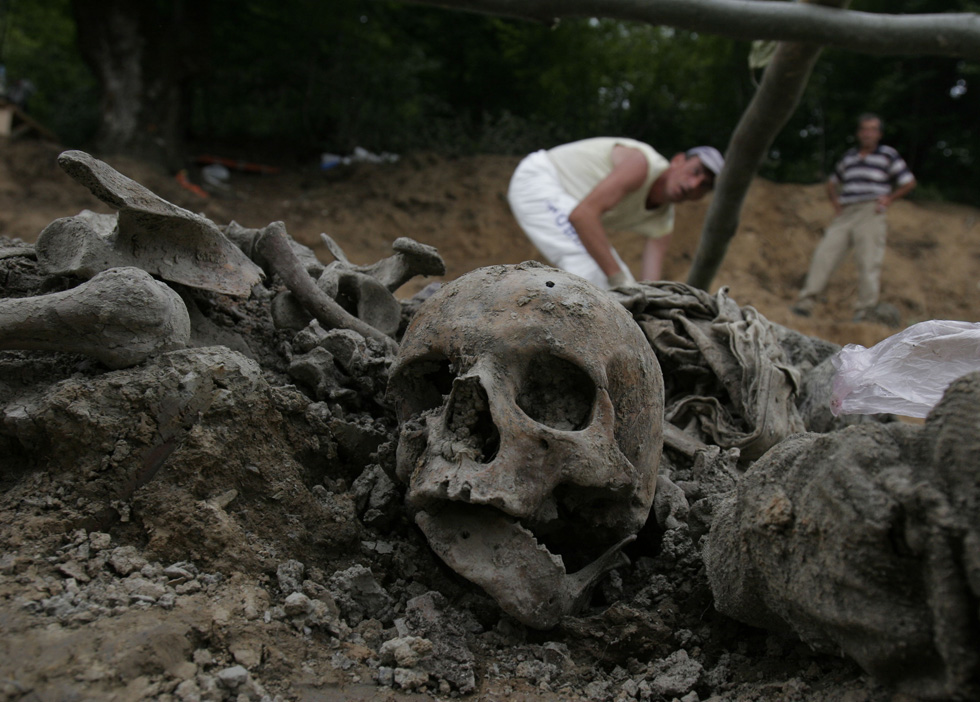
567	198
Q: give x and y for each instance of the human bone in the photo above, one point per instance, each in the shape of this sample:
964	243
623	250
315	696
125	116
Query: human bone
246	239
363	296
147	232
410	259
367	291
530	409
273	246
364	291
121	317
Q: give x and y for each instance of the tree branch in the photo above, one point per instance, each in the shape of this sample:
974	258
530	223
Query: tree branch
949	34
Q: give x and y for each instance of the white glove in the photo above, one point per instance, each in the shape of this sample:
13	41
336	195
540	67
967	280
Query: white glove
619	279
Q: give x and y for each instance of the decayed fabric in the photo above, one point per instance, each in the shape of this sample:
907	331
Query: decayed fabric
865	541
727	379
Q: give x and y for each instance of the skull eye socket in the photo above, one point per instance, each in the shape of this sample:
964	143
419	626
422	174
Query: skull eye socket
423	385
557	393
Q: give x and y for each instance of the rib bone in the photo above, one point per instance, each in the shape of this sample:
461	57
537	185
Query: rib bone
121	317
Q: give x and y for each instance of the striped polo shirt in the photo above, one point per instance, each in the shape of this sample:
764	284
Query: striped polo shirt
863	178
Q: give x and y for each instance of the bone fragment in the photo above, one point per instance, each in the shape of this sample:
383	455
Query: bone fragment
498	554
246	238
121	317
409	260
334	248
81	245
366	290
677	439
151	234
273	246
367	298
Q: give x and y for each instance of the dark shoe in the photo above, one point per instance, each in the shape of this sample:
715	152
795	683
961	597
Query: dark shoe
882	313
802	308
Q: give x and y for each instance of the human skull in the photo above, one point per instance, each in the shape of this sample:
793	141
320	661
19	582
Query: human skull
530	410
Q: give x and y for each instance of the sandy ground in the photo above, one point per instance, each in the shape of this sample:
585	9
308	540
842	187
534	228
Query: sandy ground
187	600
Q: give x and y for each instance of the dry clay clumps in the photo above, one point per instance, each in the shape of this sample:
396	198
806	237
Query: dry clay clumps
530	409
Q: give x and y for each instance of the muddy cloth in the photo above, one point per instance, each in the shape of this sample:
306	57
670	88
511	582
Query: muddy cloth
865	541
727	379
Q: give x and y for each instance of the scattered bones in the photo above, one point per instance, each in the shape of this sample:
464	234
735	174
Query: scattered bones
152	235
363	292
767	554
273	246
411	259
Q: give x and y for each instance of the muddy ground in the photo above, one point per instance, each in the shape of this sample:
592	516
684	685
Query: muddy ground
267	555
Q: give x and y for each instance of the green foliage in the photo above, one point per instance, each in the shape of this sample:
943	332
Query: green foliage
317	76
39	45
389	77
929	106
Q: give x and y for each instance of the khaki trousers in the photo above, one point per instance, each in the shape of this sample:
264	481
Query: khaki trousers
858	226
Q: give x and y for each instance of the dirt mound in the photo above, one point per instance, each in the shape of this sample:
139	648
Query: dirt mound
224	529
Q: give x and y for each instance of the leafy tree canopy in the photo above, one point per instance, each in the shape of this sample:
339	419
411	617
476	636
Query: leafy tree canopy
313	76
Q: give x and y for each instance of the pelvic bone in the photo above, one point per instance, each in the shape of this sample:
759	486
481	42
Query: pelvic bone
150	233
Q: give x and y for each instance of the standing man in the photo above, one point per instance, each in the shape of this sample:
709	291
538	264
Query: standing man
566	198
864	183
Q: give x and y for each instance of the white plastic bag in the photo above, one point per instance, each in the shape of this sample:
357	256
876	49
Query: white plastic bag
907	373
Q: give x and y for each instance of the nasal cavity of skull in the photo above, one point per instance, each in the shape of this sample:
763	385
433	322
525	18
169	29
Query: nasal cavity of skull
424	385
557	393
469	423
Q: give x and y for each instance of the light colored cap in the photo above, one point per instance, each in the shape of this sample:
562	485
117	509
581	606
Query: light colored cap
710	157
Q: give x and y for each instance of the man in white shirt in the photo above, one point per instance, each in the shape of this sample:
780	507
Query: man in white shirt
568	197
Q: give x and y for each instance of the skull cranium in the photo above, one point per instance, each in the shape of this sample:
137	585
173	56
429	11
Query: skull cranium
530	408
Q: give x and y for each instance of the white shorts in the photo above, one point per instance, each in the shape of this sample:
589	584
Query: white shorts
541	206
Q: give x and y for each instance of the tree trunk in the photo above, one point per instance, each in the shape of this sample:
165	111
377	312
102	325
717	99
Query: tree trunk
775	101
139	53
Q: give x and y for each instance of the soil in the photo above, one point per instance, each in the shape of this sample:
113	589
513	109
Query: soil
245	543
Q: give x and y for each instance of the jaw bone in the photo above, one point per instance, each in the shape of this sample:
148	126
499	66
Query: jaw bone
494	551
